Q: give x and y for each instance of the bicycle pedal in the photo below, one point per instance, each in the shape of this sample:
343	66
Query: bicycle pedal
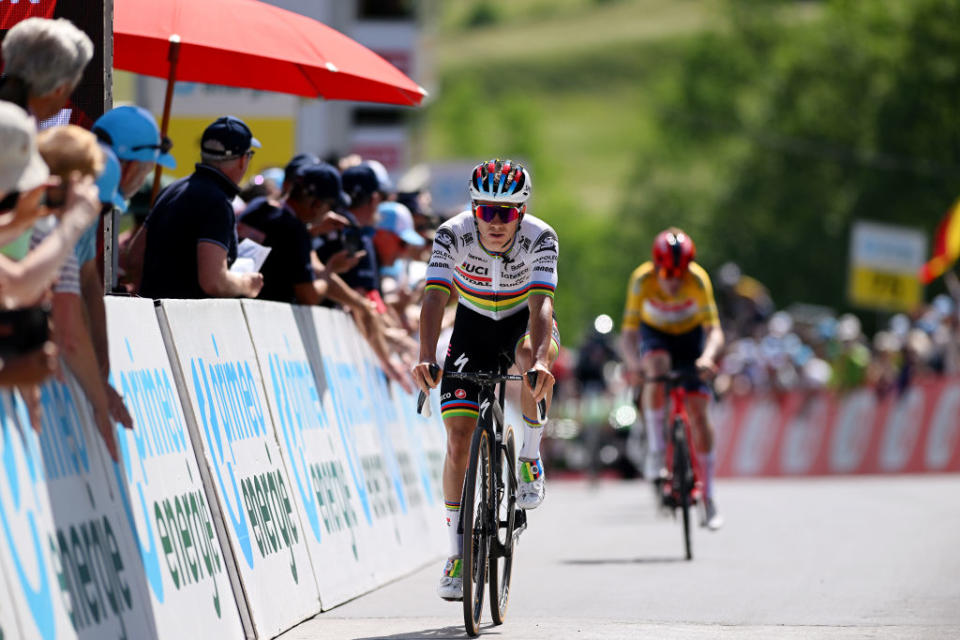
520	519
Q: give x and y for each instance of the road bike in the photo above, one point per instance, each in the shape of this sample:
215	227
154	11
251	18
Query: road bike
490	521
681	488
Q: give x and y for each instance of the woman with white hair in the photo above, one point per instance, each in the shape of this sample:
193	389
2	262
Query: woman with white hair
44	61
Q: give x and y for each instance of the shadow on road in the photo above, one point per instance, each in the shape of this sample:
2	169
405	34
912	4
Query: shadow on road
602	561
446	633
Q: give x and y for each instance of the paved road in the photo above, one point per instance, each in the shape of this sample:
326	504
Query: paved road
826	558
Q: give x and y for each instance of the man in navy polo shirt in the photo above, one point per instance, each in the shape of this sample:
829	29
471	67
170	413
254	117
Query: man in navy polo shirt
191	233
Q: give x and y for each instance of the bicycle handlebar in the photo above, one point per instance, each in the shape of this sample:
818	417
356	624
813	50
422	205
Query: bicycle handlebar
485	379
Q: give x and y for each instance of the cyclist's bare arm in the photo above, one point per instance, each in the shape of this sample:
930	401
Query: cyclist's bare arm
629	339
541	330
431	317
712	346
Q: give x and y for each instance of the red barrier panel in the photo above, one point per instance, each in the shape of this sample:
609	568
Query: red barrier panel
797	434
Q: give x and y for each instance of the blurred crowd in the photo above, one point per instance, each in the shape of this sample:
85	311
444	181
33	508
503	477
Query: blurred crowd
336	233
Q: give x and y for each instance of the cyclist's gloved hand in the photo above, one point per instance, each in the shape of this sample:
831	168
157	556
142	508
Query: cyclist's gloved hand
422	375
545	381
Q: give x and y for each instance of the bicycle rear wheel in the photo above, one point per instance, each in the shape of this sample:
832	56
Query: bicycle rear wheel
505	508
683	482
476	516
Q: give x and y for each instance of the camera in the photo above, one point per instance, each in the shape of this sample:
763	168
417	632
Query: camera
352	239
23	330
55	197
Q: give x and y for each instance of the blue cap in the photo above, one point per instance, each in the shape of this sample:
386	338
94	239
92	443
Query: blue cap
227	137
322	181
396	218
296	162
133	134
108	182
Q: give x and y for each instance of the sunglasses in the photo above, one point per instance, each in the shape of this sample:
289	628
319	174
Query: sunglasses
164	147
487	212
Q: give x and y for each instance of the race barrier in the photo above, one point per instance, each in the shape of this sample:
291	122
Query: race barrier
272	473
823	433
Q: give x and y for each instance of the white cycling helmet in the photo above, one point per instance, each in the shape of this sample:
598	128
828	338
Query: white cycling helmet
500	181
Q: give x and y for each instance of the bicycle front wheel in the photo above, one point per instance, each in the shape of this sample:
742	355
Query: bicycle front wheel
476	514
505	508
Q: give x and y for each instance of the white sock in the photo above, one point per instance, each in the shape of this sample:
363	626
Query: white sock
707	461
532	432
654	420
452	510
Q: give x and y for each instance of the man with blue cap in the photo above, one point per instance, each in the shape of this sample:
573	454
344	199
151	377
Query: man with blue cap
191	233
132	133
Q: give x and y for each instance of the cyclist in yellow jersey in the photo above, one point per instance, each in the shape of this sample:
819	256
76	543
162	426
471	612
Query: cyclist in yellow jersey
670	322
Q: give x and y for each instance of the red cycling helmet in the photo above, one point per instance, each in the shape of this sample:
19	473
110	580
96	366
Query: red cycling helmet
673	251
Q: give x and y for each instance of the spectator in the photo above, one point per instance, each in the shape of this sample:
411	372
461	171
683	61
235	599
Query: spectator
191	235
394	233
288	273
365	191
132	133
24	178
44	61
69	150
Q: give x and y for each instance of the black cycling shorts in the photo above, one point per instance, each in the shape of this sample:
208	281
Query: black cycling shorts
480	343
684	349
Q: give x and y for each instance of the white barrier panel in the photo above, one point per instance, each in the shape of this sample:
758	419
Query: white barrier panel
407	438
69	556
352	404
228	415
165	503
310	439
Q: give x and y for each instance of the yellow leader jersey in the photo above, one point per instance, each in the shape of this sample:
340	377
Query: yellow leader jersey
647	303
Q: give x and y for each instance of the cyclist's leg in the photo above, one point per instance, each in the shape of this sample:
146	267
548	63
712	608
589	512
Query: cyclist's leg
459	408
532	430
655	362
703	438
531	490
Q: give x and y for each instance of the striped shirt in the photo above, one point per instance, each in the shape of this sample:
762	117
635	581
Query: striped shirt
495	285
68	280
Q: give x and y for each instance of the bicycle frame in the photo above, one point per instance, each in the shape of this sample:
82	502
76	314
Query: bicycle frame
493	395
676	397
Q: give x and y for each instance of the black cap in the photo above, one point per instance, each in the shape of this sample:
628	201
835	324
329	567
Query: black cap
411	199
228	137
360	180
296	162
322	181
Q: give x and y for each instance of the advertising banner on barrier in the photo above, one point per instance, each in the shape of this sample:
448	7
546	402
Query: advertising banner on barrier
27	560
408	437
164	500
310	440
859	432
353	404
75	569
228	415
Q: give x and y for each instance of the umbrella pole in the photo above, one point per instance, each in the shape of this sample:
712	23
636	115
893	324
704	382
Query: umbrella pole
173	56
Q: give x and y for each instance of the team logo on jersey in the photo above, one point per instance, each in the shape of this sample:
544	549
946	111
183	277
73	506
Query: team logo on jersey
546	241
525	243
476	269
467	239
446	239
460	393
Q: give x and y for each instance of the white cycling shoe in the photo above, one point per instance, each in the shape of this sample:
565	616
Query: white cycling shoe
451	582
713	518
532	484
